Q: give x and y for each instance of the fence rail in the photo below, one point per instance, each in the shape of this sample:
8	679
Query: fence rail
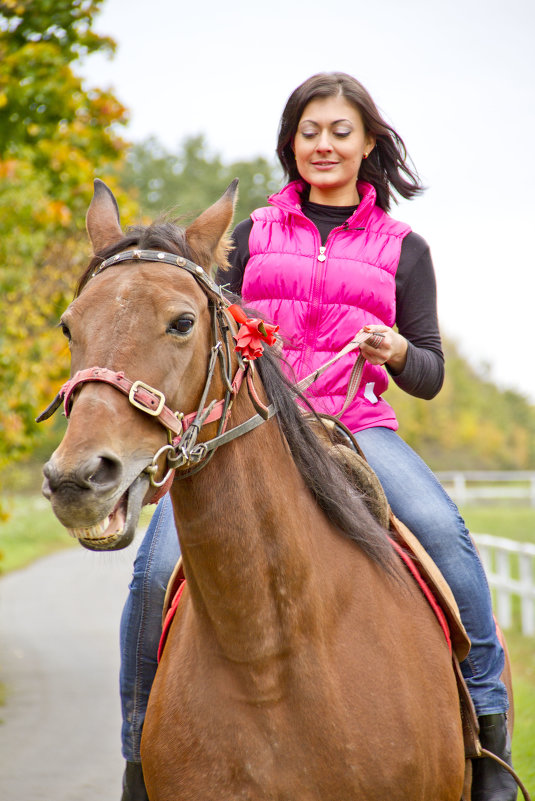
510	569
468	486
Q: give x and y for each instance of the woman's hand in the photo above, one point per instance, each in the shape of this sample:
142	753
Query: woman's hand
391	351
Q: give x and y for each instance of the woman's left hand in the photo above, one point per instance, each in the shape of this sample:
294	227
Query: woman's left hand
391	351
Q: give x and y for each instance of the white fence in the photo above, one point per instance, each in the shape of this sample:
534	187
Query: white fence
469	486
510	569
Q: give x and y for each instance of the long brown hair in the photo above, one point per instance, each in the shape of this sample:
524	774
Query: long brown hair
385	168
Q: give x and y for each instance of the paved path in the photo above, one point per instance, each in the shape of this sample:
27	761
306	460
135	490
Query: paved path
59	660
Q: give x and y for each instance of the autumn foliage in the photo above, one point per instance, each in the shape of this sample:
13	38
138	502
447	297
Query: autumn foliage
55	136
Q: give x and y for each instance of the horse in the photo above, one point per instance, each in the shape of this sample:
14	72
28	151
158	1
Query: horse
302	662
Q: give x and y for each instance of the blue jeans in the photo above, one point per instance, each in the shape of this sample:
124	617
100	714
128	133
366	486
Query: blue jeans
141	622
416	498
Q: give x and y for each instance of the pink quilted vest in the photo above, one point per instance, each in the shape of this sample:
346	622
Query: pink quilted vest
321	296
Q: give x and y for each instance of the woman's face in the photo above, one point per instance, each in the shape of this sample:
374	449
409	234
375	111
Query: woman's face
329	146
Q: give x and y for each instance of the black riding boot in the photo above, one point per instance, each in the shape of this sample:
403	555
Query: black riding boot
133	783
491	782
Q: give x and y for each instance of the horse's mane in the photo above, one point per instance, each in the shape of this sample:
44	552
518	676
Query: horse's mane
335	495
338	499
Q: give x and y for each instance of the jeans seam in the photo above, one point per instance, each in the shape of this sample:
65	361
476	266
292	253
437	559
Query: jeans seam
138	684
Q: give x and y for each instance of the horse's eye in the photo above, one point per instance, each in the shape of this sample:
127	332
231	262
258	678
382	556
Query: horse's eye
180	326
65	330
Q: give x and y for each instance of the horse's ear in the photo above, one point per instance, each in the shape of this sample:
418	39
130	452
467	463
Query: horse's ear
102	219
207	235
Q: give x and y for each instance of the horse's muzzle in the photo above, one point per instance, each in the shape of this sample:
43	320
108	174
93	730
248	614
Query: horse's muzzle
96	502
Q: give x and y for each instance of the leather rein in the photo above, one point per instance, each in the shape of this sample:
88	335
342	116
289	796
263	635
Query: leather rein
182	449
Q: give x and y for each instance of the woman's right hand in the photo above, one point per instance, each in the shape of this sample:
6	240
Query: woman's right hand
391	351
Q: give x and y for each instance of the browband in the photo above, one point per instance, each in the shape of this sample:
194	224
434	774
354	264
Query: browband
166	258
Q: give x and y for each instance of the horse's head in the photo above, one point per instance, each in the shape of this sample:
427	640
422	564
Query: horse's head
140	322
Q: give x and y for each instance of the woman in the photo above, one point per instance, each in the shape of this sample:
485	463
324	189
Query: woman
324	260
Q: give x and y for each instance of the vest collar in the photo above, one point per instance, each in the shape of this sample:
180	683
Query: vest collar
289	201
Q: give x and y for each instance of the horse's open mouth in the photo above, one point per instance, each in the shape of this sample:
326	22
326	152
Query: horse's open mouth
117	529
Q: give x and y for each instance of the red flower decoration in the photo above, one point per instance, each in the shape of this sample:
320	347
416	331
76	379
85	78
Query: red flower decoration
252	333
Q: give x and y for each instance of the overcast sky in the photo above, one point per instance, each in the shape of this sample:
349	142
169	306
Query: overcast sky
456	78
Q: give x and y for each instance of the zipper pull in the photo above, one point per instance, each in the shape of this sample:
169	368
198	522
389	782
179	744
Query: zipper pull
322	255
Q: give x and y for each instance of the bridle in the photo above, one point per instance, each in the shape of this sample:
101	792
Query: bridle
183	452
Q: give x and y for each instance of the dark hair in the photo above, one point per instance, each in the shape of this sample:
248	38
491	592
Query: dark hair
385	168
162	234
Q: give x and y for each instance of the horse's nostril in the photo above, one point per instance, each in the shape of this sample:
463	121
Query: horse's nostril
52	478
105	471
49	483
99	473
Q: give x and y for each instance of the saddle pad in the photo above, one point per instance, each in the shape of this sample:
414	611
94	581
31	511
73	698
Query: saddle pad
175	580
176	585
436	582
413	570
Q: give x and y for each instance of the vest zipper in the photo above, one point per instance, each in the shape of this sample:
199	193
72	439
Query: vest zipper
319	273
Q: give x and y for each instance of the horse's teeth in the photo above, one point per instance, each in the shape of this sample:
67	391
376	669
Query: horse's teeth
91	532
104	543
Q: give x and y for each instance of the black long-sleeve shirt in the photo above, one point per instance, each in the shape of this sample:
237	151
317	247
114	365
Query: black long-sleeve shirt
416	308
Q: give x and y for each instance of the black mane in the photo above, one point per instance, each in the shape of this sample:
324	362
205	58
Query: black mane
340	501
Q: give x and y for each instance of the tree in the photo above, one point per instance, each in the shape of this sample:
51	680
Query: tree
471	424
54	136
192	179
41	98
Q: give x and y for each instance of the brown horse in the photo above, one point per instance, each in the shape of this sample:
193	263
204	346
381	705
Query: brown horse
302	663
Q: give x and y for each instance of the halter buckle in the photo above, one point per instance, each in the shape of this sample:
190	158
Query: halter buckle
141	385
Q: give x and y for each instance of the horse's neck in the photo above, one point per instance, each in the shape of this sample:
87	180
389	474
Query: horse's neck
245	524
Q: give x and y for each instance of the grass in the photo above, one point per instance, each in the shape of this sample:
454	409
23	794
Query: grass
512	522
522	653
32	531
